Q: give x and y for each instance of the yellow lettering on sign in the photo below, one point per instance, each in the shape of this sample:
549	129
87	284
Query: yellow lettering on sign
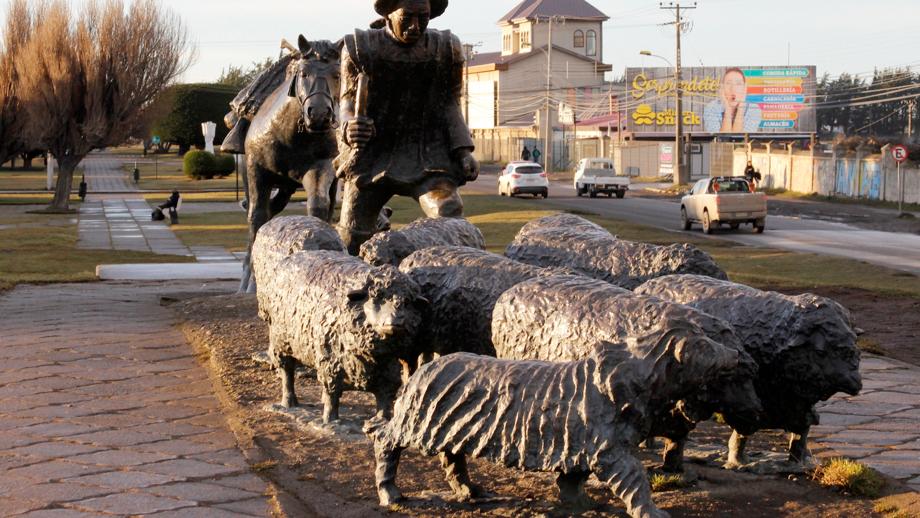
642	85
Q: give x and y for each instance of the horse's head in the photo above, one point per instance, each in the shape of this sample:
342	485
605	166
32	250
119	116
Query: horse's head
316	83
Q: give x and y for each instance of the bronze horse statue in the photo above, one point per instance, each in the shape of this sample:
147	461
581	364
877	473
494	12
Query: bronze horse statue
290	141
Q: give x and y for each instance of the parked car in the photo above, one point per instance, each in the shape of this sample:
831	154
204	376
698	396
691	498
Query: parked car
723	200
523	178
599	176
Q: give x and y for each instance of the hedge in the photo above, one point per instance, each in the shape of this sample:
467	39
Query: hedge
202	164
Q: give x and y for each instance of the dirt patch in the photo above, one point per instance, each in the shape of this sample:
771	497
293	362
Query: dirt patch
323	474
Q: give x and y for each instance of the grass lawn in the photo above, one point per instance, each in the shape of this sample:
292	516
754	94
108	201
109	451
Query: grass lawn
167	174
500	219
29	179
44	250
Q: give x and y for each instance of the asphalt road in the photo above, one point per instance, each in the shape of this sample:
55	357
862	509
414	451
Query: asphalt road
900	251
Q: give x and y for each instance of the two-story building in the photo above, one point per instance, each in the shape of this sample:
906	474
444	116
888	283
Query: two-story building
551	55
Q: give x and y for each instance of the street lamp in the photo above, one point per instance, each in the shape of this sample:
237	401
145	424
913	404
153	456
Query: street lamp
679	126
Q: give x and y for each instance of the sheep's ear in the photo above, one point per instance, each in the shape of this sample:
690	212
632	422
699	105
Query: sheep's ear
357	295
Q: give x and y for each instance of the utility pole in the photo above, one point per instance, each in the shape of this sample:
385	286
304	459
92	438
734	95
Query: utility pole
548	136
681	175
468	54
910	119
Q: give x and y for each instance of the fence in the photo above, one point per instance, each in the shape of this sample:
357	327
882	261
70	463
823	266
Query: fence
835	173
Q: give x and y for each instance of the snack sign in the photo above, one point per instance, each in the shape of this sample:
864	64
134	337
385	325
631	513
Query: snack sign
735	100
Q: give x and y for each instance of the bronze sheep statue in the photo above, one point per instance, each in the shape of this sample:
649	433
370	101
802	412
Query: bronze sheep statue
354	323
393	246
562	318
804	345
462	285
570	241
572	418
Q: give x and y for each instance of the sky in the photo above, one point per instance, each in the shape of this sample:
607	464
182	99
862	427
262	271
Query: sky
837	36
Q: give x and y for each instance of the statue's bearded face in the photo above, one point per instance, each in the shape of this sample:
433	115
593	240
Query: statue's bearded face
408	23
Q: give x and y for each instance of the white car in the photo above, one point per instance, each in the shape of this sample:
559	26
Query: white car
523	178
599	176
723	200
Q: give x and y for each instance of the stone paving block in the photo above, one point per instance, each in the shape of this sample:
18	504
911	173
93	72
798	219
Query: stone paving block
895	398
871	437
188	468
913	413
180	447
13	506
201	512
172	412
53	450
832	419
10	484
202	492
246	481
888	424
55	470
120	457
864	409
133	504
174	429
114	438
253	507
59	513
124	480
231	458
893	468
56	492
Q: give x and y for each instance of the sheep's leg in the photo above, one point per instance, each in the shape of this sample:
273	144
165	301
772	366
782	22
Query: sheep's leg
387	459
572	489
286	368
331	396
629	482
458	476
798	445
736	456
673	454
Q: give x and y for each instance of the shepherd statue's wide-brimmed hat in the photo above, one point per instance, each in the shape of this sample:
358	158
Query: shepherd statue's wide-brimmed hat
385	7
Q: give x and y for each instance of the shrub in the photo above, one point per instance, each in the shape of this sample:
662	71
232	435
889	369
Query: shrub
198	164
850	476
201	164
225	164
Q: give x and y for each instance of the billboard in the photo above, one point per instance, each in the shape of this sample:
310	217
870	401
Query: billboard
727	100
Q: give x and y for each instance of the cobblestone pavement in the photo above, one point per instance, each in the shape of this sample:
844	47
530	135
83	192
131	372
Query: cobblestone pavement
105	411
880	426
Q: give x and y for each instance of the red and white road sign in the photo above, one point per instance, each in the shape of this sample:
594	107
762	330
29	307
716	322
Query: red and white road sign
899	152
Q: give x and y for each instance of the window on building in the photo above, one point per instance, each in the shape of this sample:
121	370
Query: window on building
579	39
506	42
525	39
592	44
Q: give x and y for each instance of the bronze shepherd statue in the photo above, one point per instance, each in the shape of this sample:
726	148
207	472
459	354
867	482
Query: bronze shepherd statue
402	124
285	122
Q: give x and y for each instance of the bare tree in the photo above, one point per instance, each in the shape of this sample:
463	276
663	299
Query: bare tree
16	31
86	79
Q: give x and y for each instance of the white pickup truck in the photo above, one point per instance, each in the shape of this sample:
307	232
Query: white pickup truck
723	200
599	176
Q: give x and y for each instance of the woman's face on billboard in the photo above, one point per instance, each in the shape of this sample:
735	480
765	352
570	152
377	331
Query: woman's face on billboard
734	88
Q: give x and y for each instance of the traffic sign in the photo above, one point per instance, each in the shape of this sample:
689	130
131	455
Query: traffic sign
899	152
155	140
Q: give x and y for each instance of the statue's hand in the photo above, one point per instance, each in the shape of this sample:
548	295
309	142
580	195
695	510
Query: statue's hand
359	131
470	165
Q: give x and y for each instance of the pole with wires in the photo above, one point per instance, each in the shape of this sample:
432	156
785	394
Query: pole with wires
681	175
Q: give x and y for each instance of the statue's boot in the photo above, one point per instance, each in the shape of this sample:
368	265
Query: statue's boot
235	142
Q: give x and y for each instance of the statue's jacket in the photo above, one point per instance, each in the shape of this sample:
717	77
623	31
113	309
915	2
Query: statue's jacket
414	101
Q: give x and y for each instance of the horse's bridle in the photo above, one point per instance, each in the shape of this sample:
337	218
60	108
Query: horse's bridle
314	91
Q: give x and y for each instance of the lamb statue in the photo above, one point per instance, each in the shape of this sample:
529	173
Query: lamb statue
570	241
573	418
804	346
354	323
562	318
462	285
393	246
